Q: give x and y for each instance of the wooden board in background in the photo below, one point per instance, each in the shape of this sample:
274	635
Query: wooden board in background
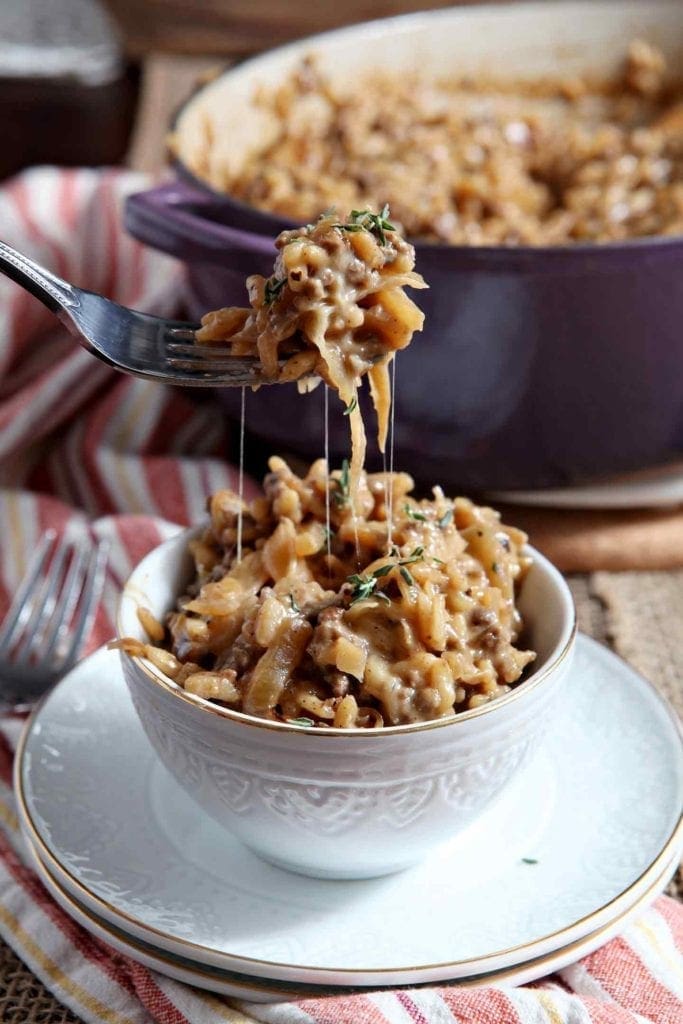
233	27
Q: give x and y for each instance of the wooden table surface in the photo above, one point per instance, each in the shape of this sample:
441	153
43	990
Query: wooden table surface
231	27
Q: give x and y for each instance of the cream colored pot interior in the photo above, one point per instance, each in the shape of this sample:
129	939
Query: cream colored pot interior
221	125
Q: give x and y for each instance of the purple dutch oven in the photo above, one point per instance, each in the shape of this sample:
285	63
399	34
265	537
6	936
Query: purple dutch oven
537	366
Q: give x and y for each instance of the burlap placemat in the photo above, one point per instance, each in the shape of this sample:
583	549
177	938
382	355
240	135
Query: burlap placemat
638	614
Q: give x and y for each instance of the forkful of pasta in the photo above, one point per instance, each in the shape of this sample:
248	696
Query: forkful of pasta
334	309
305	321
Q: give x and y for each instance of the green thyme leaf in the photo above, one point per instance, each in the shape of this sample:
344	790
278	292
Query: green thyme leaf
351	407
414	556
383	570
446	519
349	227
363	587
292	601
364	220
303	721
414	514
341	495
406	576
272	289
366	586
529	860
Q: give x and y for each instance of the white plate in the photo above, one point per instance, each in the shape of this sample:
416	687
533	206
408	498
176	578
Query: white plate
260	991
648	488
600	812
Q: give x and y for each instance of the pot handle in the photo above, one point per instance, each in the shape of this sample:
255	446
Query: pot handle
169	217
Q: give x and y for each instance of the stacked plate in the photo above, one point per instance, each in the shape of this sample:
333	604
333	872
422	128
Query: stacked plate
660	487
572	849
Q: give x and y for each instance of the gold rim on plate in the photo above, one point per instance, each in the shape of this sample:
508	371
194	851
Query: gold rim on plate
653	872
301	989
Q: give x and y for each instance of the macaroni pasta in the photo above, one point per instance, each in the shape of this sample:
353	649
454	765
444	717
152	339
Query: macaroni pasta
351	633
334	308
480	161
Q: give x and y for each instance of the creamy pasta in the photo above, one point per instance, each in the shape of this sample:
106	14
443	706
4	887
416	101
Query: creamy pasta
350	630
334	308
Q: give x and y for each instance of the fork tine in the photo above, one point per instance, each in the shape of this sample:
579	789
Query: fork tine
21	605
221	369
183	333
232	365
204	352
44	603
90	597
64	609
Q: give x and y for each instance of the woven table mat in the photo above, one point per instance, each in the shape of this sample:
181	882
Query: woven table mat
638	614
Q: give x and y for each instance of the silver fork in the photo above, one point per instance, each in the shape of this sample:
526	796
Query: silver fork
146	346
50	617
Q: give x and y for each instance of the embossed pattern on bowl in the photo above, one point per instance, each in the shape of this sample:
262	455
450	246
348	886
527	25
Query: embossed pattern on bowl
335	803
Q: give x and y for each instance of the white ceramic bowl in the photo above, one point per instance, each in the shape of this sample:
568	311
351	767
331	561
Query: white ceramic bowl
345	803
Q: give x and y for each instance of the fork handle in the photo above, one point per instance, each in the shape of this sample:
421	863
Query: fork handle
51	290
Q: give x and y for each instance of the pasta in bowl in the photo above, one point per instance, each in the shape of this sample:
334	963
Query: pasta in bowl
392	612
330	799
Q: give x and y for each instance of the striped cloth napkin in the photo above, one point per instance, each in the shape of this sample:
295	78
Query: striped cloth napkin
85	449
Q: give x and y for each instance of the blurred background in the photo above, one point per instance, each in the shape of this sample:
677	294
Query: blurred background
92	81
567	359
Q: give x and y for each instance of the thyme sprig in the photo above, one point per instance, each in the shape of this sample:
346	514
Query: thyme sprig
272	289
303	721
365	220
416	555
366	586
413	513
342	493
351	407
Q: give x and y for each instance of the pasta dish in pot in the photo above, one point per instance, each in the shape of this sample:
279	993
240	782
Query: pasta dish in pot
467	161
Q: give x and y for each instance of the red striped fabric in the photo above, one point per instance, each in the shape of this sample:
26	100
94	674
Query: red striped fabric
84	449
